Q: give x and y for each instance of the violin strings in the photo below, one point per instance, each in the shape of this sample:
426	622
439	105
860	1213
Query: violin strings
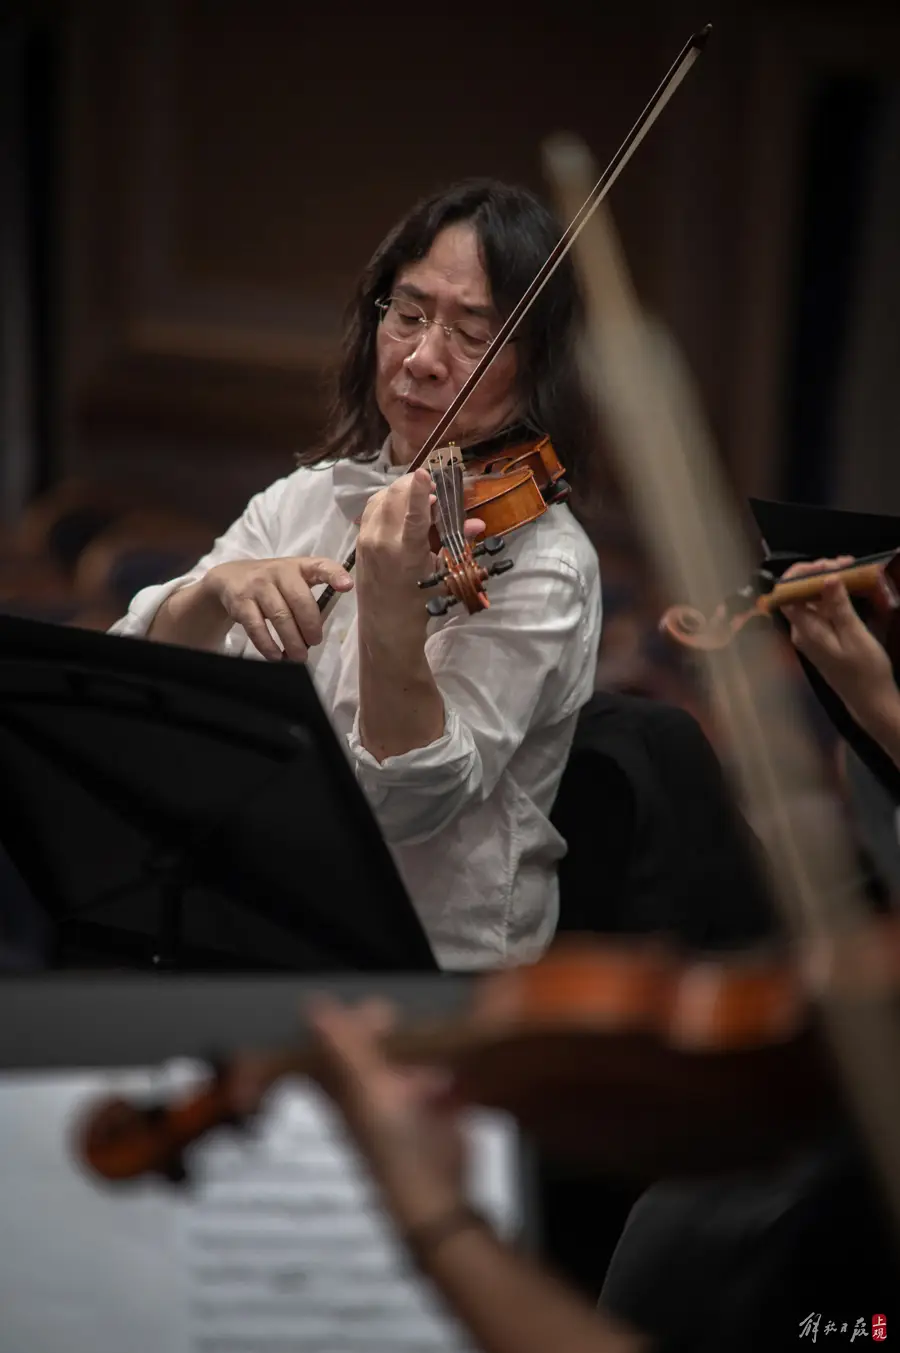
459	515
448	524
859	562
440	496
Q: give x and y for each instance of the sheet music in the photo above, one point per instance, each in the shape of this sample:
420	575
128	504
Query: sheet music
288	1251
279	1247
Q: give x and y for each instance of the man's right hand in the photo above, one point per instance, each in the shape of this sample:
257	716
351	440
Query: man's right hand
253	591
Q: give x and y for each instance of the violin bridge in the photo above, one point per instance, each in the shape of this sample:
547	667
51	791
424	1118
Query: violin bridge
445	457
445	466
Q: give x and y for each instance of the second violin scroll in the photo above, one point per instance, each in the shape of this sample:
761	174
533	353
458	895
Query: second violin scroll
874	577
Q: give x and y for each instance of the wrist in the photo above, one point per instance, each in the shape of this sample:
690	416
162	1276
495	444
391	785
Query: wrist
426	1239
193	615
416	1199
879	716
199	599
396	645
206	610
390	616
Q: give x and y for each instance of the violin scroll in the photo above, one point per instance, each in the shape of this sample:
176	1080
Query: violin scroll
869	578
121	1141
465	582
690	628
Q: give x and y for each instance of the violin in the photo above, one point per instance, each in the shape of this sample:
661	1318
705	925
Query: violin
506	482
592	1048
877	577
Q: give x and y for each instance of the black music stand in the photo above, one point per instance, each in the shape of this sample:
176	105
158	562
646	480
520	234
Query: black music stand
178	810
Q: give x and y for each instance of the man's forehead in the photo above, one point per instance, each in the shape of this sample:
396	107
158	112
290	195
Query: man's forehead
451	269
427	285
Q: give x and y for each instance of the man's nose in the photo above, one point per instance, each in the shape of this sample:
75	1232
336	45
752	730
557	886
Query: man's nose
428	359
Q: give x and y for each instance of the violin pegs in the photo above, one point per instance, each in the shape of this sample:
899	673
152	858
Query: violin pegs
490	545
218	1064
558	492
440	605
763	582
175	1170
501	566
432	581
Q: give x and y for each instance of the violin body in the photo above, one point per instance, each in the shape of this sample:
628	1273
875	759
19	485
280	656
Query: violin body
516	487
505	485
510	488
624	1055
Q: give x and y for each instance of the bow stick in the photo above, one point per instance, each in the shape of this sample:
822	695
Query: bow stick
578	220
668	468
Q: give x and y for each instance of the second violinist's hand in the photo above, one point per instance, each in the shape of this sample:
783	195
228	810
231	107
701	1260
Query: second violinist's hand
831	635
400	1117
409	1134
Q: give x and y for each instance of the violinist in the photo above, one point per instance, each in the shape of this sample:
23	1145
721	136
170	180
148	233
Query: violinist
830	634
457	727
761	1249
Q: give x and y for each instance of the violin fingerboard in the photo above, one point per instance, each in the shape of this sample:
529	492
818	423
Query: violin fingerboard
445	465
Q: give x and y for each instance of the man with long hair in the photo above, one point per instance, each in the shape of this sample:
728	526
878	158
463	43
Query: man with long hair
458	727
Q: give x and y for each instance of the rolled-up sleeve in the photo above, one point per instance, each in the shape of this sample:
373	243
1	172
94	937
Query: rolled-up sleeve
415	794
249	537
529	659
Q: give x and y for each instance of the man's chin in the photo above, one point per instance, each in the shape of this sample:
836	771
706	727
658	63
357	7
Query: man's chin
410	430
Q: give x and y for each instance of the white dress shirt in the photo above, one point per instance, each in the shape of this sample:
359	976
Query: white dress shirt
467	817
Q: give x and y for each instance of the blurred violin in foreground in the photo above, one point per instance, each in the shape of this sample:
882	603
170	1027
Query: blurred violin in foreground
876	577
625	1056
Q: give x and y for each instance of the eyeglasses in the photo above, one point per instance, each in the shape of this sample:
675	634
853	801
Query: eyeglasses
407	322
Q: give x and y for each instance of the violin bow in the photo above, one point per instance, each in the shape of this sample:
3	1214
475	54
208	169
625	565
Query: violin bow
577	221
668	469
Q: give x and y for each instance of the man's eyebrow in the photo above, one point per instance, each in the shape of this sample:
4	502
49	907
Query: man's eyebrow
417	294
413	292
482	311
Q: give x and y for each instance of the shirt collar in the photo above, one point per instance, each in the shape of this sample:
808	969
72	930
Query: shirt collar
355	481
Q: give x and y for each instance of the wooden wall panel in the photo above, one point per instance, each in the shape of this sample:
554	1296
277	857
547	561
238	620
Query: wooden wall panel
232	163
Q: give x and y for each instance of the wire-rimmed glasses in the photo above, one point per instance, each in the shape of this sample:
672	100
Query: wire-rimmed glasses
405	321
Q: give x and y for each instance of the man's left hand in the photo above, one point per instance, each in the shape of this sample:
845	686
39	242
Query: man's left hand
394	553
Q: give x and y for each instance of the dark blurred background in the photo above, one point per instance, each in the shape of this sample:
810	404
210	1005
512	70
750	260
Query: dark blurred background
188	189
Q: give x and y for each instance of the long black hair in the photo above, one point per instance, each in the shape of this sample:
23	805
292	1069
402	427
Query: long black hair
515	233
